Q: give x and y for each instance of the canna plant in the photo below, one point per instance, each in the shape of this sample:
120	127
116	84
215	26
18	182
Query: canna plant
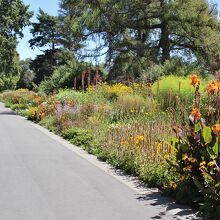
197	145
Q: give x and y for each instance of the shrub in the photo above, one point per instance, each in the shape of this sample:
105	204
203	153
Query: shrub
65	95
62	77
18	107
198	149
48	122
8	82
20	96
33	114
79	137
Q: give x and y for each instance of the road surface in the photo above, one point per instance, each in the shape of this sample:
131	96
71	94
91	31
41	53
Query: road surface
40	179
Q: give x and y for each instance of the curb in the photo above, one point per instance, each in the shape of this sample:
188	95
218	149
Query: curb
174	210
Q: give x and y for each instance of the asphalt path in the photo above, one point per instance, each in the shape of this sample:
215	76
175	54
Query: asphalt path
40	179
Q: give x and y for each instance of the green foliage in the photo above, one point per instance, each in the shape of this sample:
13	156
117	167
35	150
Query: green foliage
33	114
26	76
45	32
16	16
20	96
49	123
18	107
8	82
156	174
65	94
172	90
44	65
80	137
62	77
132	106
151	32
174	66
198	149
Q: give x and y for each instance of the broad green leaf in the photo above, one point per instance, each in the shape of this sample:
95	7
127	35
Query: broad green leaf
215	147
213	150
198	126
207	134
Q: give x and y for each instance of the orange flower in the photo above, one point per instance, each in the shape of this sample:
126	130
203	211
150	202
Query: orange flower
217	128
194	80
196	113
213	87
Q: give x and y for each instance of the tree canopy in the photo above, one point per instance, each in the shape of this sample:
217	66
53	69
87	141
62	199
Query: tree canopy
137	32
14	17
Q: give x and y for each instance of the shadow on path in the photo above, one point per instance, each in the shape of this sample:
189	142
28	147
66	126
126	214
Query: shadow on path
7	112
155	198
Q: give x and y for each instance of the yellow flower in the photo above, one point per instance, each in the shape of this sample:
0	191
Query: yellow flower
203	163
211	164
123	142
183	177
192	159
159	145
184	157
118	88
173	185
167	156
137	139
188	168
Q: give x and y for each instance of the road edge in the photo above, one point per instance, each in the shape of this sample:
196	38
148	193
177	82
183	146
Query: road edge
130	181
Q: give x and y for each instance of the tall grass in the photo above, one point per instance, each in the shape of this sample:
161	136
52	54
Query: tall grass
172	90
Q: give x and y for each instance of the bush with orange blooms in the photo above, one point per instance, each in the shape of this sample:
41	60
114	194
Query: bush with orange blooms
198	152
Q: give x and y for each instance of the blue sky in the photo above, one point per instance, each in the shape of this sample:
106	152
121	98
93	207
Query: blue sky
51	7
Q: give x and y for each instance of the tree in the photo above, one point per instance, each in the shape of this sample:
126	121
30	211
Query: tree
143	31
46	36
70	32
45	32
44	64
26	75
14	17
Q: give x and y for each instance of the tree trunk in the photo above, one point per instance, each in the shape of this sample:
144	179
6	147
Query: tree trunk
164	38
165	42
